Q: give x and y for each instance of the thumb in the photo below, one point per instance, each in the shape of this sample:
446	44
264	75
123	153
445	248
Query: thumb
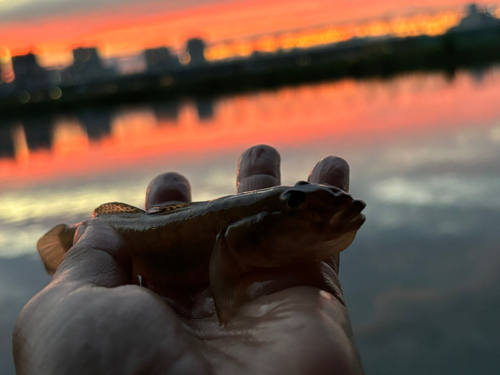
98	257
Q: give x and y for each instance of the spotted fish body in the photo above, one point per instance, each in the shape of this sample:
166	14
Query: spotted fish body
173	245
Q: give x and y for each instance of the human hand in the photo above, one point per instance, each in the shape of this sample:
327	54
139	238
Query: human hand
91	320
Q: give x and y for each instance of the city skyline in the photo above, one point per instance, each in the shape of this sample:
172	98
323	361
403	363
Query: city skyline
130	28
87	66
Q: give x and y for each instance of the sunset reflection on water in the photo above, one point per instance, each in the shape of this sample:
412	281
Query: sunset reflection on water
361	113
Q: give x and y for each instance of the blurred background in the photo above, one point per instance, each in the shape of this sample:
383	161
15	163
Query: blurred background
98	97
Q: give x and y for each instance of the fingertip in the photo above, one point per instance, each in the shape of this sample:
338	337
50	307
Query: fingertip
258	168
331	170
168	187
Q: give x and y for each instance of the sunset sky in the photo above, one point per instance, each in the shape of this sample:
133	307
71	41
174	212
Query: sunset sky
51	28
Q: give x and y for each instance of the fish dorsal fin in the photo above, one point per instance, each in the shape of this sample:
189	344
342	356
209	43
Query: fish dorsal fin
116	208
167	208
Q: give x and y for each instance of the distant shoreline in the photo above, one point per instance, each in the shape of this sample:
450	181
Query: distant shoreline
356	59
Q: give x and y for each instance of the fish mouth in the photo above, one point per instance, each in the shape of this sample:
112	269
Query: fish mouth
348	216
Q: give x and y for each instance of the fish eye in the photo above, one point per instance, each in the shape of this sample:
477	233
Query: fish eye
294	198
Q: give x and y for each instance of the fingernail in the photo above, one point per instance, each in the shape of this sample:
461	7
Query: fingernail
260	181
331	170
258	166
168	187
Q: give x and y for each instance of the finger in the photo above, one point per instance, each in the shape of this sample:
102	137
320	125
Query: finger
331	170
258	168
98	257
168	187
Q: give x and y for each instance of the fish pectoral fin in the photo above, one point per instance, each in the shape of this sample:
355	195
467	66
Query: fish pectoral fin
53	246
225	281
116	208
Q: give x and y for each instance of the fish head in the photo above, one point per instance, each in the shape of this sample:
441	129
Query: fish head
324	205
310	222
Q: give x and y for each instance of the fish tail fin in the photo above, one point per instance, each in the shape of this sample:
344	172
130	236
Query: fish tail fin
53	246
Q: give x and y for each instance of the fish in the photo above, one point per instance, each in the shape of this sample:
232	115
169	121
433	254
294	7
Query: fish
185	245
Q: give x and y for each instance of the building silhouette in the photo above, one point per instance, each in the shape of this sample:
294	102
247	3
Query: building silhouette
196	47
87	66
476	20
28	74
166	112
6	142
38	131
97	122
159	60
7	88
205	108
